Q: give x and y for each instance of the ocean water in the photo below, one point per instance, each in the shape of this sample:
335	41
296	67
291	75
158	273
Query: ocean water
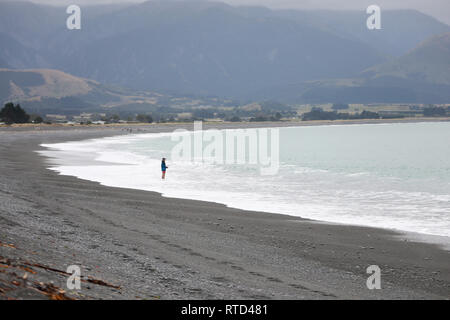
394	176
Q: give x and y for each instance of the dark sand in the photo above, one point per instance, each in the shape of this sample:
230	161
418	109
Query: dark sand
163	248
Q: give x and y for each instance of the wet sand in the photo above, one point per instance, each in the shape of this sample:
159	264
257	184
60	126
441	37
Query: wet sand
138	245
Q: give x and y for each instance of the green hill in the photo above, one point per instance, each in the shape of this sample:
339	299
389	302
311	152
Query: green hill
429	62
47	90
51	91
34	84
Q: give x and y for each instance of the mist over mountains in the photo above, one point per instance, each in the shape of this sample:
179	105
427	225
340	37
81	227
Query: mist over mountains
249	53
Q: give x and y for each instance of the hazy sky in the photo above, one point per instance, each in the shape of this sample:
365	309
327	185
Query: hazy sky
440	9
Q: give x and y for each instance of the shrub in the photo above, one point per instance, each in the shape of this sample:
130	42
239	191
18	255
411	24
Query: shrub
434	112
13	114
144	118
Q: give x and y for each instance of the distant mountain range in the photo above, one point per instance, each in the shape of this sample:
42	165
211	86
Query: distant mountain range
429	62
420	76
247	53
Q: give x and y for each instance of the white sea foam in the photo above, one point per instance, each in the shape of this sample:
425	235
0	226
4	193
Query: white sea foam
402	190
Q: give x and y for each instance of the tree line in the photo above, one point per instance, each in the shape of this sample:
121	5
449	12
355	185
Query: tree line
320	114
14	113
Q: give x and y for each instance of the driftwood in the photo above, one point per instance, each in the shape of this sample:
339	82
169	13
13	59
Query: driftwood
16	275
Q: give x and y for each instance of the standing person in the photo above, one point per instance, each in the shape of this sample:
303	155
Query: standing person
163	168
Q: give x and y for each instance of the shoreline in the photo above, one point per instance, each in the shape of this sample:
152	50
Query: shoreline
172	248
287	123
57	160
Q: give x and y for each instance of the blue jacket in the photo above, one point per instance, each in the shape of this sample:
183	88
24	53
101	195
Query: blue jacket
163	166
